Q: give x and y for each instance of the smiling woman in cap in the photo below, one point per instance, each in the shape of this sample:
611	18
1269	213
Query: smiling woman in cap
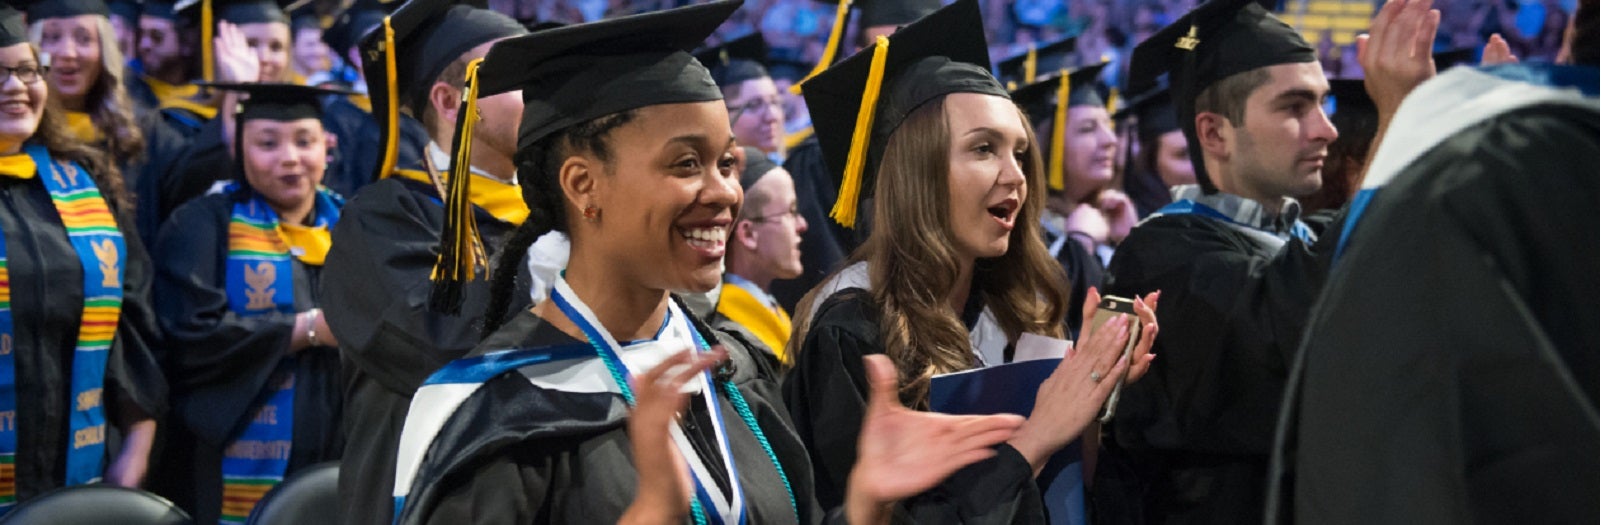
255	369
75	327
626	146
953	271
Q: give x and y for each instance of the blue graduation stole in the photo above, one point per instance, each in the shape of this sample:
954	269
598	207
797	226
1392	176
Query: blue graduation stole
260	280
92	230
1298	230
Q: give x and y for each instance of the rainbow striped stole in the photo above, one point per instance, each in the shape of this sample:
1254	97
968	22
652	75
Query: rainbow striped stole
260	280
92	230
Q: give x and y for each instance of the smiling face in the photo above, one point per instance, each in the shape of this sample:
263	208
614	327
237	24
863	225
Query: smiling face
1090	147
270	41
21	104
73	43
667	196
988	147
284	160
760	114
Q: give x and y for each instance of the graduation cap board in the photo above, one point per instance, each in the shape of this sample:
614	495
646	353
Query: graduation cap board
736	61
276	101
163	9
126	9
570	75
348	27
410	48
874	13
1154	111
1048	99
12	29
857	104
1216	40
1025	69
40	10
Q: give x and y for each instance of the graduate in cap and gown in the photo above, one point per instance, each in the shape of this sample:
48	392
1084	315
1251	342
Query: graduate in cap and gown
763	245
350	117
826	243
1237	267
1083	217
754	103
1448	370
378	297
954	272
76	328
626	145
167	63
255	369
1159	153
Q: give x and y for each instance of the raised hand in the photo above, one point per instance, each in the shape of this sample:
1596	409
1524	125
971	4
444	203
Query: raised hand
902	452
665	487
236	61
1396	54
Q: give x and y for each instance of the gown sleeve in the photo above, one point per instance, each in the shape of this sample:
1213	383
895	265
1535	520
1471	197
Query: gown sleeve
221	361
133	370
826	393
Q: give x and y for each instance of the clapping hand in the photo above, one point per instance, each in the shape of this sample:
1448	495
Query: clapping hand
665	487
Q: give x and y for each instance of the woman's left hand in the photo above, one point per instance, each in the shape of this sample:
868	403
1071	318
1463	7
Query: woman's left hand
903	452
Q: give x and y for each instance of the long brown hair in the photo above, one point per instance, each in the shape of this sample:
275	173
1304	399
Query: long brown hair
913	265
107	101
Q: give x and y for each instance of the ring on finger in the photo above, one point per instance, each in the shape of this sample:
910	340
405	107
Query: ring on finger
1095	376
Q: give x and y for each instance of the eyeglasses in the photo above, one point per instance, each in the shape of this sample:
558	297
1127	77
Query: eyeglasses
792	214
28	74
735	112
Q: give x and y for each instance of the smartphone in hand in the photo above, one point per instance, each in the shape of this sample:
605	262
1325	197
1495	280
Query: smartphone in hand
1110	307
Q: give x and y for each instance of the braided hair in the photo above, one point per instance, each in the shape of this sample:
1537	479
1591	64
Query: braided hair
538	170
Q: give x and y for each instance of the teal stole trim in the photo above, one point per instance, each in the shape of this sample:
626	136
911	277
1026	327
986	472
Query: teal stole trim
92	230
260	280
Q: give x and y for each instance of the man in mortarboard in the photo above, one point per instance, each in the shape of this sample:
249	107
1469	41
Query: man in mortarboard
1448	373
350	117
764	245
167	63
754	103
1082	218
826	244
1236	265
377	281
309	59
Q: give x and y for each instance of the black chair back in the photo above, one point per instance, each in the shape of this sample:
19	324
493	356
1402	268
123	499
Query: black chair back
97	504
309	496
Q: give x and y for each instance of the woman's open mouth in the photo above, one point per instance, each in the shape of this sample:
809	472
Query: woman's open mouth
1005	212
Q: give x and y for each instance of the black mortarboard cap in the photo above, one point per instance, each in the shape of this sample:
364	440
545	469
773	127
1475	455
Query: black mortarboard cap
1026	68
13	30
735	61
351	24
128	9
943	53
570	75
1044	102
1216	40
273	101
757	165
402	58
40	10
1154	111
166	9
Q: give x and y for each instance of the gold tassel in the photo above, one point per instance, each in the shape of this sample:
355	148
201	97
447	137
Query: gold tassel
1031	62
850	188
1111	101
392	106
1059	133
207	35
841	15
461	253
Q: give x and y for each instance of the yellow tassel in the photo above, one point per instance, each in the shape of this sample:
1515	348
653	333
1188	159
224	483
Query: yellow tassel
207	34
392	108
1031	62
1059	133
850	188
841	15
461	253
1111	101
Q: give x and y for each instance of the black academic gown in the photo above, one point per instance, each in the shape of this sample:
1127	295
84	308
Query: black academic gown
47	308
826	244
1084	270
163	143
826	392
353	162
222	362
202	163
1199	425
515	453
1450	367
376	290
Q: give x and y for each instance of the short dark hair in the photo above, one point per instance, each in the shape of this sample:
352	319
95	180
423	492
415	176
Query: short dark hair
1227	96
